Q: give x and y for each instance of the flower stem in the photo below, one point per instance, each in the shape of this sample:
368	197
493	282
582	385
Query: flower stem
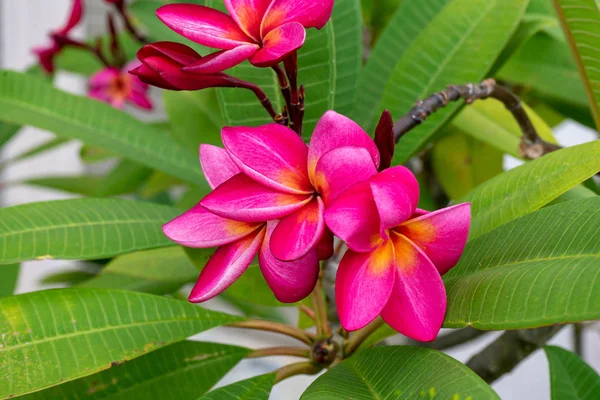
275	327
361	335
323	328
280	351
306	310
301	368
285	91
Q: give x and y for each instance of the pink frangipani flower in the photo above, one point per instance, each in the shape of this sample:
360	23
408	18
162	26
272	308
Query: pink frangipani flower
397	254
286	180
116	87
263	31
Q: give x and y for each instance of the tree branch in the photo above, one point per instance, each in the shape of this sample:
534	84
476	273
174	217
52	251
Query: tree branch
276	328
506	352
532	145
280	351
301	368
452	339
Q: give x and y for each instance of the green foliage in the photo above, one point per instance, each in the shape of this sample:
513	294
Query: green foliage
8	279
538	270
570	376
81	229
52	337
399	372
257	388
530	186
27	100
181	371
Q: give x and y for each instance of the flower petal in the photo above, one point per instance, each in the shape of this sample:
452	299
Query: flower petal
199	228
299	233
353	218
278	44
442	234
396	194
325	245
243	199
309	13
222	60
290	281
363	285
270	154
217	165
103	78
334	130
203	25
248	14
226	266
140	99
341	168
74	18
417	305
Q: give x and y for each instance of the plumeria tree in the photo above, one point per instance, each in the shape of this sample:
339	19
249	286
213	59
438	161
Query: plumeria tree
349	195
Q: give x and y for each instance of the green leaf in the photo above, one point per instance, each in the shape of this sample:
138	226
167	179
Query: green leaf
7	131
462	163
577	193
570	376
56	336
409	20
48	145
69	277
399	372
328	67
538	270
257	388
158	183
81	229
28	100
459	45
94	154
195	117
530	186
8	279
158	271
181	371
580	20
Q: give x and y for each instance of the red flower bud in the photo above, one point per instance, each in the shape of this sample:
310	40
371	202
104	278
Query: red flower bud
384	139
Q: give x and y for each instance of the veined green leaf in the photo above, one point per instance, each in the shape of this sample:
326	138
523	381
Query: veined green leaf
28	100
406	24
8	279
399	372
462	163
7	131
81	229
56	336
69	277
459	45
48	145
328	67
257	388
531	186
195	117
570	376
580	20
181	371
541	269
158	271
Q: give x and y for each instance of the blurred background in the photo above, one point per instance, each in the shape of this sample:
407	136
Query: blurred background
24	24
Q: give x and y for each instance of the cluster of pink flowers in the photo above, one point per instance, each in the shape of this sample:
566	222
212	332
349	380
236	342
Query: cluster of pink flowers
276	196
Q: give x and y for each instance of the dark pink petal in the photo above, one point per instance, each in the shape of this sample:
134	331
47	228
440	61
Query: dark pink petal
217	165
243	199
299	233
141	100
441	234
353	218
384	139
309	13
341	168
325	245
363	285
417	305
46	56
396	194
226	266
278	44
175	53
104	78
290	281
333	131
74	17
203	25
199	228
248	14
222	60
270	154
100	94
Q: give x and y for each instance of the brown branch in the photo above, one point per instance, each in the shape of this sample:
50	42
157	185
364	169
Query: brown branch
275	327
286	92
323	328
301	368
452	339
532	145
306	310
280	351
506	352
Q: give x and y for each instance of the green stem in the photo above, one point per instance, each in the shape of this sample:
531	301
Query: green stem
301	368
361	335
280	351
275	327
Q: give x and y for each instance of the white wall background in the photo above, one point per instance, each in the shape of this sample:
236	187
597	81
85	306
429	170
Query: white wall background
23	24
